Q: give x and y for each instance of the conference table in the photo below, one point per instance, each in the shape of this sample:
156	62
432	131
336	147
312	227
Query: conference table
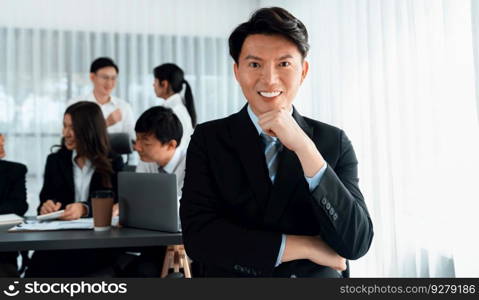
116	237
85	239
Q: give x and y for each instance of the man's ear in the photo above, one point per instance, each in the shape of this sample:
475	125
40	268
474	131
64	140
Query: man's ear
235	70
305	70
92	76
172	145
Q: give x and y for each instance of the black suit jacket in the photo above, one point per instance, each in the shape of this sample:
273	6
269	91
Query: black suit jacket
13	193
58	182
232	216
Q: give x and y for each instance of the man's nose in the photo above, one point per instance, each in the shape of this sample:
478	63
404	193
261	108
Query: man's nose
137	146
269	75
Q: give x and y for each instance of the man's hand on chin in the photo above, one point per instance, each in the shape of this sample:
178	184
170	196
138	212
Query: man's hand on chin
281	124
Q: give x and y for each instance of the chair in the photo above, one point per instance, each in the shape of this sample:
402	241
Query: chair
121	143
176	258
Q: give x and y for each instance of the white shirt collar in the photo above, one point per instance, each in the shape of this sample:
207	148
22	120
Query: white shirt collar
173	163
87	165
112	99
173	101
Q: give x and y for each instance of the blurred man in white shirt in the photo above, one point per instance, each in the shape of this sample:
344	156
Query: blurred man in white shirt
117	112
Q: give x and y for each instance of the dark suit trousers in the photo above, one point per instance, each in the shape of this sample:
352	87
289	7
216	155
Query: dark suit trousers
301	268
8	264
72	263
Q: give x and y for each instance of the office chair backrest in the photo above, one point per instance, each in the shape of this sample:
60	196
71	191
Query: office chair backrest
120	143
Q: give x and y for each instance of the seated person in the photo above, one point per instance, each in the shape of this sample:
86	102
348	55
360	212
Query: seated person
158	136
82	165
13	200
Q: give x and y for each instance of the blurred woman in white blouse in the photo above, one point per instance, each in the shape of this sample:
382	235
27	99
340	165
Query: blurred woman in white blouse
168	83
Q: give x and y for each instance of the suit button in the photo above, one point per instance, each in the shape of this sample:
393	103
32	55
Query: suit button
335	216
323	201
331	211
328	206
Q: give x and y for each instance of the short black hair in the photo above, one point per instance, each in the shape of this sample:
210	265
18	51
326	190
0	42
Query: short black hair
102	62
162	122
270	21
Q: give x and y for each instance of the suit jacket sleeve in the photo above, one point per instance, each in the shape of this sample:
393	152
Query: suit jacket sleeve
49	190
16	196
208	234
340	208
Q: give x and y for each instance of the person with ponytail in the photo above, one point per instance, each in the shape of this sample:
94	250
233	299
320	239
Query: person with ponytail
169	82
83	164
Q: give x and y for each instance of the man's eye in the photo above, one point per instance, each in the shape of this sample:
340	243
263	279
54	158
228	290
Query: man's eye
254	64
285	64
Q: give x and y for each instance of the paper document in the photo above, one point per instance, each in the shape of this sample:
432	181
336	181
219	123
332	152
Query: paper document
86	223
51	216
10	219
35	225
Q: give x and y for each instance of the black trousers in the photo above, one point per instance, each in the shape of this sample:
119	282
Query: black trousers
8	264
72	263
305	269
293	269
148	264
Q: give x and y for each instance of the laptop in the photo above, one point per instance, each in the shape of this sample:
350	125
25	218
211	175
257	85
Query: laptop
148	201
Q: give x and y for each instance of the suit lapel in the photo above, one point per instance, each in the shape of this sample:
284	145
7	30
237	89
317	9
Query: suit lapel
250	151
290	174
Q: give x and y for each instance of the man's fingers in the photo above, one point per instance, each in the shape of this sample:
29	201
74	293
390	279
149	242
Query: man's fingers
341	265
67	215
48	207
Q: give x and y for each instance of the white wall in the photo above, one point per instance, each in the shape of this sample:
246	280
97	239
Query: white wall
200	17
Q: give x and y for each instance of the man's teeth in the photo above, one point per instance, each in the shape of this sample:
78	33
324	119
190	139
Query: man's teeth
270	95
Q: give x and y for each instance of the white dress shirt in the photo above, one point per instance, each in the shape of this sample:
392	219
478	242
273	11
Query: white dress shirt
82	178
127	122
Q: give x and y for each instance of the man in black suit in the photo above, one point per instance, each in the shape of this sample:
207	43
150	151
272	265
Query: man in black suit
13	200
269	192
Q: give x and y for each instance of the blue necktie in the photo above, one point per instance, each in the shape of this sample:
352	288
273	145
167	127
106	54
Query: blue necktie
272	147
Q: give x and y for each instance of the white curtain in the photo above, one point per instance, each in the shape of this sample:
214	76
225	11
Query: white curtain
46	48
398	77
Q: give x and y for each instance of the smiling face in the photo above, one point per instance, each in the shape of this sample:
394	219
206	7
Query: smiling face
104	81
270	71
68	133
